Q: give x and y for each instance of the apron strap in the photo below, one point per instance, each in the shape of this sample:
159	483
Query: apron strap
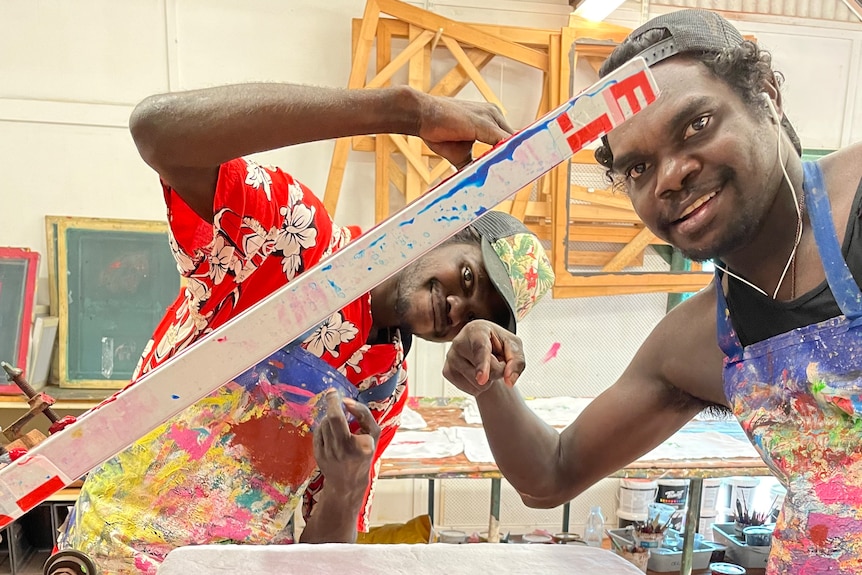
727	338
841	282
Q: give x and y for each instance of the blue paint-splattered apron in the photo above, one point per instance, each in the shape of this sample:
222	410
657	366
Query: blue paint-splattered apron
798	396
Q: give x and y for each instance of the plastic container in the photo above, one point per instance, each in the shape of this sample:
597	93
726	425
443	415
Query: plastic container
662	511
537	538
594	529
665	560
636	495
758	536
738	552
566	537
451	536
726	569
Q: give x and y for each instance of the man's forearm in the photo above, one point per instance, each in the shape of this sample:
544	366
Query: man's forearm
333	519
205	128
525	448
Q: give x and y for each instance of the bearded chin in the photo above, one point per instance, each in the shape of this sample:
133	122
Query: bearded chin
734	240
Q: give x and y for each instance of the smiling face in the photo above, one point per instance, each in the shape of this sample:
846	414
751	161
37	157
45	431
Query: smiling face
437	295
699	165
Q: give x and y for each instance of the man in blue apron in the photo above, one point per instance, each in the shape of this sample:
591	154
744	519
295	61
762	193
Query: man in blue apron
713	168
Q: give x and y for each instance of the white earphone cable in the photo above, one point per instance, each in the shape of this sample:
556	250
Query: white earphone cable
798	238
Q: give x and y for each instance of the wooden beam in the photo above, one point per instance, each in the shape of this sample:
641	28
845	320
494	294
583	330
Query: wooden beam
358	70
599	259
593	213
624	257
464	33
455	80
618	283
604	198
472	72
532	37
414	47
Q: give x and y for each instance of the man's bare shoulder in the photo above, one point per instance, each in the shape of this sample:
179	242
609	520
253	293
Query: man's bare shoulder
844	165
683	349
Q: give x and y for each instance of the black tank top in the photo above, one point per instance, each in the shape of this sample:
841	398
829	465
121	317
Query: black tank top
756	317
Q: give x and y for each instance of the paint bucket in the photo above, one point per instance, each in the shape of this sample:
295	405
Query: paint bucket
625	519
704	527
739	489
672	492
709	497
636	495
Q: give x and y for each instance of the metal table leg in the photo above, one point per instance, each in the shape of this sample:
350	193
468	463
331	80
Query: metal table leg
692	518
431	500
567	508
494	521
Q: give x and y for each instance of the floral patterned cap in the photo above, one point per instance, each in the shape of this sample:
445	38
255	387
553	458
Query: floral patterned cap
515	261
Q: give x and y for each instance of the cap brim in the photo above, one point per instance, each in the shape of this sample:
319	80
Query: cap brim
499	276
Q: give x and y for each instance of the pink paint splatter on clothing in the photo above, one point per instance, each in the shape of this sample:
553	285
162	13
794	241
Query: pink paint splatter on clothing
189	441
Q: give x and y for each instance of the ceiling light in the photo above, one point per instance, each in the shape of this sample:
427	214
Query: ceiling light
597	10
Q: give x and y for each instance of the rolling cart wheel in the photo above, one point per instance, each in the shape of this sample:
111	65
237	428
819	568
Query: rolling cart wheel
70	562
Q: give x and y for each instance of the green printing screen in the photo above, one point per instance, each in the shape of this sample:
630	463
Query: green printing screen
119	285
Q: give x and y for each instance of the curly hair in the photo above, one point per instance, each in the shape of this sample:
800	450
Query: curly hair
745	67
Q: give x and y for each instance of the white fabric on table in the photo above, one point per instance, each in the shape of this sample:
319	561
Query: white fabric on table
424	445
412	420
680	446
435	559
556	411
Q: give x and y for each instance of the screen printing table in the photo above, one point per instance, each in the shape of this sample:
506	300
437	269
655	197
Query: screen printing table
447	412
437	559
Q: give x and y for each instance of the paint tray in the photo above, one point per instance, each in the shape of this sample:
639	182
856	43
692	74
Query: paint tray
666	560
737	550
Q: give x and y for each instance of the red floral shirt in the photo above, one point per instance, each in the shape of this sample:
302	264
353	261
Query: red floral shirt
267	229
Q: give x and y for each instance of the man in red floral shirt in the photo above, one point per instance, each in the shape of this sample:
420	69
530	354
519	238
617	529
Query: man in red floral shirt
231	468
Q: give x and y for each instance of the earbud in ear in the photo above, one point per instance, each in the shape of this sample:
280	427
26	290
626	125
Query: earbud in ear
771	105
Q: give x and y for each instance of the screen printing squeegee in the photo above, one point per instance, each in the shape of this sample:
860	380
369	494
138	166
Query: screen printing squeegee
312	297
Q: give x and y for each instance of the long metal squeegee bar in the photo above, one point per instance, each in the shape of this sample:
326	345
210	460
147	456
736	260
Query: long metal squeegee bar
311	298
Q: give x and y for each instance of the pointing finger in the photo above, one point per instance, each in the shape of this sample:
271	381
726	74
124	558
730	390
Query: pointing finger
363	416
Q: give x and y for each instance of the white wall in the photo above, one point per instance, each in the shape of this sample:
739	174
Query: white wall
72	71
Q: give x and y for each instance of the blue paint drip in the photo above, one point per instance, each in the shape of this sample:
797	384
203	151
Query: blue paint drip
478	178
175	396
338	291
326	268
407	222
377	241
